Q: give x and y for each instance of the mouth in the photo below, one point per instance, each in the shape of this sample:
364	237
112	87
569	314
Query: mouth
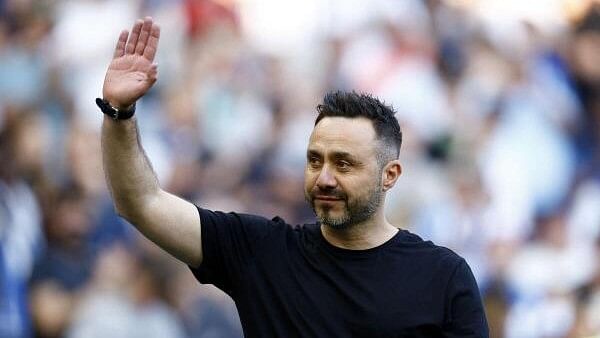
327	198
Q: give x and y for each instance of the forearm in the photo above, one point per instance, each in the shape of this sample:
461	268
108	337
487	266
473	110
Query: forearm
165	219
129	174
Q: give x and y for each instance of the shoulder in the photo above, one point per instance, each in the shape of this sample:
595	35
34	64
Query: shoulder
237	218
425	256
443	262
229	225
413	242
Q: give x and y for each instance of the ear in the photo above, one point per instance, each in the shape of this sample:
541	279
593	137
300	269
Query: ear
390	174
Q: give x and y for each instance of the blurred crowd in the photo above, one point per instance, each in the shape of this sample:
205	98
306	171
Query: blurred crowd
499	102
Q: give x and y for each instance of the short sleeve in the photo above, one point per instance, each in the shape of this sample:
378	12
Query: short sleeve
466	315
230	242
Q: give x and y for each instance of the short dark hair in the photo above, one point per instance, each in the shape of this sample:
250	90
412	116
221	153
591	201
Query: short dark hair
352	105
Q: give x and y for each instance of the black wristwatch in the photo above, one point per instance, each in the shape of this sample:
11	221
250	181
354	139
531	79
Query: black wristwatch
116	114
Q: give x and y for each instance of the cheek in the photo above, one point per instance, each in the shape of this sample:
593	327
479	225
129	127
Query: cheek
363	186
309	180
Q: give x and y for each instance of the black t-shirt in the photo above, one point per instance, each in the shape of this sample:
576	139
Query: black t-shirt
290	282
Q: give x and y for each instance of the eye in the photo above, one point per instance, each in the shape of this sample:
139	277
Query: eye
343	165
314	161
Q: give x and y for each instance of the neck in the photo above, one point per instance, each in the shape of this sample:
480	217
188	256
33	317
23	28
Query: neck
361	236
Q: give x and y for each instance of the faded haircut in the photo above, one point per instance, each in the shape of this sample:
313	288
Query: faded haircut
352	105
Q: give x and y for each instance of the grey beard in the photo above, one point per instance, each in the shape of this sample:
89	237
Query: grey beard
355	213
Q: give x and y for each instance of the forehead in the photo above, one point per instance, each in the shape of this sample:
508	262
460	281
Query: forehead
352	135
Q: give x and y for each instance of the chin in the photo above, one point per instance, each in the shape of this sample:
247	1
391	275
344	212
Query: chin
337	223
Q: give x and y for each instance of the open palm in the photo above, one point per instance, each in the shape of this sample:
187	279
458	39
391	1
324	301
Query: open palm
132	70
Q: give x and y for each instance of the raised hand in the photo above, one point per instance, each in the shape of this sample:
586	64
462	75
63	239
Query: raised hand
132	70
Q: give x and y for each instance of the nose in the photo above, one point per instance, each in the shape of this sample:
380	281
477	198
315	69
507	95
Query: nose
326	179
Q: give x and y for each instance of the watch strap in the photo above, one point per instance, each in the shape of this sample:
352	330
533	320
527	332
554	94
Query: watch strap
115	113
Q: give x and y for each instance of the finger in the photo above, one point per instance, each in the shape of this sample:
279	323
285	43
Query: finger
152	45
144	35
153	72
133	38
120	48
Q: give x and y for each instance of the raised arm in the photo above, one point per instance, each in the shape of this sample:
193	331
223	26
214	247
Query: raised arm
167	220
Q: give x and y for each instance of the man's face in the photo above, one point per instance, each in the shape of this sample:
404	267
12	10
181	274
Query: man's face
342	178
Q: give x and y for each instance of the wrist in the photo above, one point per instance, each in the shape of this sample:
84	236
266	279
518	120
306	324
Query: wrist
114	111
119	106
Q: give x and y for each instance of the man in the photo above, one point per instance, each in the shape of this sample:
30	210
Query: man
352	274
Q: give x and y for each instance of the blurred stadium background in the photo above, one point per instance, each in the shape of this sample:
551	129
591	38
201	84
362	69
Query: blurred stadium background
499	103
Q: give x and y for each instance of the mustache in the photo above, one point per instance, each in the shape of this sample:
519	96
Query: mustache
327	193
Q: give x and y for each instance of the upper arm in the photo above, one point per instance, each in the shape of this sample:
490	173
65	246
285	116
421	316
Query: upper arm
173	224
232	243
466	312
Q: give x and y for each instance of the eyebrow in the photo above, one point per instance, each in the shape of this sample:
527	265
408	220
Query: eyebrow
336	155
343	155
